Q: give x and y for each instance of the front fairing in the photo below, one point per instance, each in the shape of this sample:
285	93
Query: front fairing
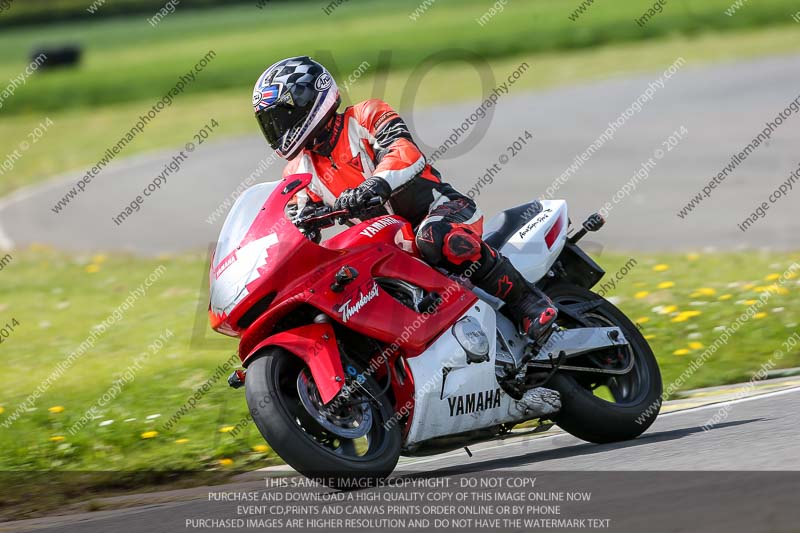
256	247
264	267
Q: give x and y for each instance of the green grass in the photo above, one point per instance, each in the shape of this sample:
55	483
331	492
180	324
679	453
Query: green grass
51	11
701	295
57	300
126	59
64	303
78	137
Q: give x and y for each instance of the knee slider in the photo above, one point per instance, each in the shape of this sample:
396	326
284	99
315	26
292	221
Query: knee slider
462	245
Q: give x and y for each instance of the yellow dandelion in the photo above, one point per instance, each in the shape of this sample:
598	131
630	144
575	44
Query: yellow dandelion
791	275
226	462
703	291
748	286
149	434
773	277
695	345
749	302
643	320
181	441
668	309
725	297
661	267
226	429
666	284
641	294
261	448
91	269
2	410
775	289
683	316
56	438
692	257
56	409
649	337
760	315
682	351
99	258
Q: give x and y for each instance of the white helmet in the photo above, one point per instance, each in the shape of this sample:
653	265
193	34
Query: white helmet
293	99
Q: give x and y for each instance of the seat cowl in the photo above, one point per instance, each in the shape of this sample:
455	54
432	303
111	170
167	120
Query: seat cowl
502	226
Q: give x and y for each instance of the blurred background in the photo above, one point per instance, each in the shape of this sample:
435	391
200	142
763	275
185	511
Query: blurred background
632	109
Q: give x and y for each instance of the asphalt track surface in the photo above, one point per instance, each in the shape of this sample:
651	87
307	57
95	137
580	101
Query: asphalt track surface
722	108
743	474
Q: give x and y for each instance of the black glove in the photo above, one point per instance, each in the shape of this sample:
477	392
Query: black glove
357	200
297	215
294	213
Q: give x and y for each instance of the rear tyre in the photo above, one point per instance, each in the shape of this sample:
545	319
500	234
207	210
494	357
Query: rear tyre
632	401
342	444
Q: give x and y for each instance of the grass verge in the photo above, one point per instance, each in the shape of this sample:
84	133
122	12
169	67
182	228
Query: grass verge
79	137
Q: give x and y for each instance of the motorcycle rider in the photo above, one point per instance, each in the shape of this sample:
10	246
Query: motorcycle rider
367	151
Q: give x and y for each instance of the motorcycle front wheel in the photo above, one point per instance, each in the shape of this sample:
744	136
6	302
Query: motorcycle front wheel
602	408
350	440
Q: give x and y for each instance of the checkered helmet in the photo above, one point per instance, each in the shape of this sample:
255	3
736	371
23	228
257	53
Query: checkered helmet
293	99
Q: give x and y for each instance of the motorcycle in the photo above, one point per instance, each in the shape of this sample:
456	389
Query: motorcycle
355	351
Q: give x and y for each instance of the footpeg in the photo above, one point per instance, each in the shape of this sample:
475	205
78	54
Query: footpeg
547	315
539	402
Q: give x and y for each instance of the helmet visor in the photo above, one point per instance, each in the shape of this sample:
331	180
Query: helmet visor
276	120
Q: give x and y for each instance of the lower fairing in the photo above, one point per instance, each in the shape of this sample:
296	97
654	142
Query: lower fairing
455	396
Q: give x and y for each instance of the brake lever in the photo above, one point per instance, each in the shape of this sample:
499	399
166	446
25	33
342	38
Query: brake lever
324	219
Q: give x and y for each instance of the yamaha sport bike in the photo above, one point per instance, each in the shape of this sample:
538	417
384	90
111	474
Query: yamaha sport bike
356	351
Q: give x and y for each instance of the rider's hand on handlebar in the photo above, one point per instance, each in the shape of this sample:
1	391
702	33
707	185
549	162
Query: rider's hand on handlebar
296	214
359	200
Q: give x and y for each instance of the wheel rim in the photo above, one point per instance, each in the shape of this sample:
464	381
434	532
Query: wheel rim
351	422
352	429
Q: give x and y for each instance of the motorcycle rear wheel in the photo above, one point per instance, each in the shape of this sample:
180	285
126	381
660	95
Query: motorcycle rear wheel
636	395
321	444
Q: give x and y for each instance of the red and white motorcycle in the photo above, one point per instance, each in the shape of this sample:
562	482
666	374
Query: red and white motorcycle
356	351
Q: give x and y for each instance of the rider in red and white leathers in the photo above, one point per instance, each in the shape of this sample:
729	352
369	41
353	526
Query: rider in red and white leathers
368	151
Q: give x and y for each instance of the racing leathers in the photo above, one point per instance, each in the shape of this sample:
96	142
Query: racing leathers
368	151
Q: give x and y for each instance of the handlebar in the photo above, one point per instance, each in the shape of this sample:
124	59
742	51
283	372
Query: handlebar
375	201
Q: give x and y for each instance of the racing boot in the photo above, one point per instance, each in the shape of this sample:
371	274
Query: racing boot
533	311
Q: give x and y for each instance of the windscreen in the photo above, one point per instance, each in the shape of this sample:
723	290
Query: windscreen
240	218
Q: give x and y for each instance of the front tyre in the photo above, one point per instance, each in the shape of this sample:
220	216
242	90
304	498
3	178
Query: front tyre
602	408
341	443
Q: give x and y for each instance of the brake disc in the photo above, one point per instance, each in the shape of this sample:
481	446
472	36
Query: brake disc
351	420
